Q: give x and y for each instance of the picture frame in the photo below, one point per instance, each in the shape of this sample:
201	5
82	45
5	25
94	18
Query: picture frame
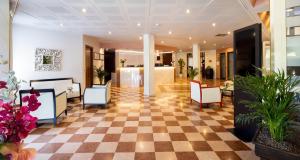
48	59
97	56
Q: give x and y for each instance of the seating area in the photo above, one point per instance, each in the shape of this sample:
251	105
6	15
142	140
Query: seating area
149	79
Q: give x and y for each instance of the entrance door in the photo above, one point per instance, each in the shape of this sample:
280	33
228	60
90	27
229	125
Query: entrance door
230	63
223	65
88	66
109	63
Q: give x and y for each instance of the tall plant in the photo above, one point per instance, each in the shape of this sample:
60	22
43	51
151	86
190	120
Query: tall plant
101	73
181	64
193	72
274	106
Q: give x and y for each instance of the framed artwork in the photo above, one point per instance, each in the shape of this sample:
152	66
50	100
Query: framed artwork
97	56
48	59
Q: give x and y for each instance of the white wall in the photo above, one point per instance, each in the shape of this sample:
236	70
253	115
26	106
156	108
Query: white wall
211	60
4	33
131	58
25	42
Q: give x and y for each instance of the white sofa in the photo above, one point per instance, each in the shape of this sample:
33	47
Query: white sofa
204	94
53	104
97	95
73	90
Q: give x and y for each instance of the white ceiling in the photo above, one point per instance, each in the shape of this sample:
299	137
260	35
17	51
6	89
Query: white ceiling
121	18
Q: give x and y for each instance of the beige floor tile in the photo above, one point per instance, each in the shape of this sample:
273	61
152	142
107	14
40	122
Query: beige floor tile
144	147
161	137
107	147
165	156
219	146
207	155
182	146
68	148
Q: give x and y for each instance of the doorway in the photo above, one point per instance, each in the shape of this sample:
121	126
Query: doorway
230	63
88	66
223	66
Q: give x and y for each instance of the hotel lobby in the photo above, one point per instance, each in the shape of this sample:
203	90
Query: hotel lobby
149	79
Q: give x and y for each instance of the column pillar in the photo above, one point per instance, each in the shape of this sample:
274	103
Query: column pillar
149	54
278	34
4	36
196	59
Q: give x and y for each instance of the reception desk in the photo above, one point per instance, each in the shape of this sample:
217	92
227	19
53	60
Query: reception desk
134	76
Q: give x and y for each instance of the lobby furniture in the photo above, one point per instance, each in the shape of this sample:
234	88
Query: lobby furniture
73	90
228	89
97	95
134	76
53	104
204	94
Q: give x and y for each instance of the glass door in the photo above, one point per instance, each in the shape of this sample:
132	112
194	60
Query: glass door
223	66
230	64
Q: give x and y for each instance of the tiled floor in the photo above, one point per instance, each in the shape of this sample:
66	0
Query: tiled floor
165	127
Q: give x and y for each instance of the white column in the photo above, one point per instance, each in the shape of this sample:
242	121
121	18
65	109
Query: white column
4	35
278	33
149	54
196	59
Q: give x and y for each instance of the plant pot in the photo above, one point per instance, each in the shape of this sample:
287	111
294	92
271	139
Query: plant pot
271	153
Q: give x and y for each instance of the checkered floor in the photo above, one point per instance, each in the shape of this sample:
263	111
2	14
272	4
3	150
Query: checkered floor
165	127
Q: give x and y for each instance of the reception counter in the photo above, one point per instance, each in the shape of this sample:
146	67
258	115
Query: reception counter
134	76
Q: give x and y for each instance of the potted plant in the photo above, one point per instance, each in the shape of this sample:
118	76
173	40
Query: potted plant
122	61
101	73
275	113
16	122
193	72
181	64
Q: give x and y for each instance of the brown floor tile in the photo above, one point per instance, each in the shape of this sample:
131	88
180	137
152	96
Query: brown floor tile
237	145
88	147
145	137
186	156
211	136
159	129
69	130
206	118
178	137
126	147
78	138
103	156
228	155
201	146
145	123
63	124
218	128
182	118
98	130
163	147
189	129
224	122
50	148
157	118
198	123
111	138
118	124
39	131
44	139
132	118
90	124
144	156
61	156
172	123
82	119
130	130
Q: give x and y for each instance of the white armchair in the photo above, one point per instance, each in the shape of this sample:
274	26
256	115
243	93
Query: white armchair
97	95
204	94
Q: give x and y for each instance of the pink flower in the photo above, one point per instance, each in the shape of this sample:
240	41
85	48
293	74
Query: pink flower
32	102
2	84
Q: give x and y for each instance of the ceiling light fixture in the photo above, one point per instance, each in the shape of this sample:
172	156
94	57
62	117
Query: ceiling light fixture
162	42
109	32
83	10
138	24
187	11
204	41
190	38
140	37
214	24
228	32
170	32
215	44
156	24
61	24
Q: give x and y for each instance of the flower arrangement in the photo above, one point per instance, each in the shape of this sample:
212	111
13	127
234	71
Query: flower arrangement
16	122
122	61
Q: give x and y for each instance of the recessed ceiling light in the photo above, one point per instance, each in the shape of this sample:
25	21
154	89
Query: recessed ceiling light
138	24
215	44
170	32
228	32
214	24
109	32
61	24
157	24
204	41
162	42
190	38
140	37
83	10
187	11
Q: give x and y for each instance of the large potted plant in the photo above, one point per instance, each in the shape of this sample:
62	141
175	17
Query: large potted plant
275	113
101	73
181	64
16	122
193	72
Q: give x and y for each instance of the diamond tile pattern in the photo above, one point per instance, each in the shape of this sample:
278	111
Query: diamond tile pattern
164	127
